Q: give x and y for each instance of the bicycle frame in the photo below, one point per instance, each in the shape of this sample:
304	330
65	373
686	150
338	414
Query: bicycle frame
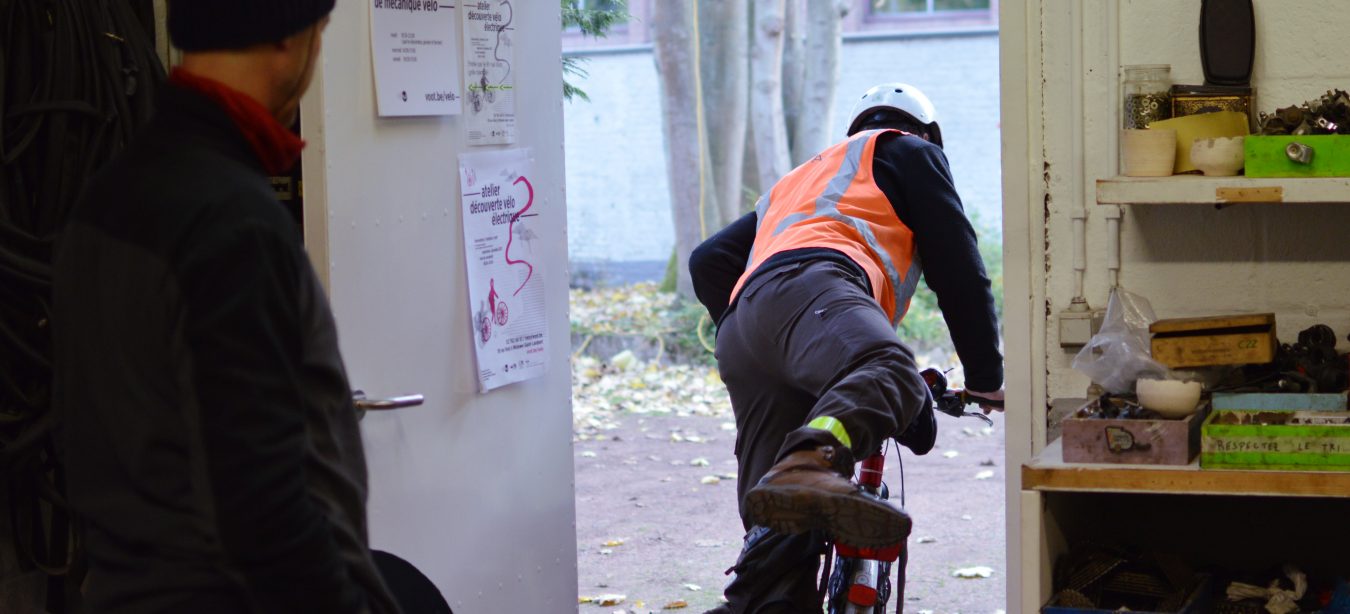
860	581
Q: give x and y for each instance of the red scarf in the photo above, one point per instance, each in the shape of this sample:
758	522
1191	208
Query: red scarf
276	146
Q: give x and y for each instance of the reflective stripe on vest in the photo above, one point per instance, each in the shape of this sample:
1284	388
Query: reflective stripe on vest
832	201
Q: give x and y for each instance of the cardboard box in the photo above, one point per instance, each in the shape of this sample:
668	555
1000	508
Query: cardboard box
1292	440
1120	441
1217	340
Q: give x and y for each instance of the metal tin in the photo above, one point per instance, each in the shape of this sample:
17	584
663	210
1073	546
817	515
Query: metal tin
1197	99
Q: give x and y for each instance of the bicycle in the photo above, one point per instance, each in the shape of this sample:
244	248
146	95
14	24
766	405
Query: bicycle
860	580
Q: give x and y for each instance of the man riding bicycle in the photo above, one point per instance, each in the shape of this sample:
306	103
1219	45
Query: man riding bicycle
807	291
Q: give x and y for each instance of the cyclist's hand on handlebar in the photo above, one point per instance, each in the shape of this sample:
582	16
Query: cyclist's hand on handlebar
995	398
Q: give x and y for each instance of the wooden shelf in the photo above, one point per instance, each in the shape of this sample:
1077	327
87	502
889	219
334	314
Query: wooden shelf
1196	189
1049	472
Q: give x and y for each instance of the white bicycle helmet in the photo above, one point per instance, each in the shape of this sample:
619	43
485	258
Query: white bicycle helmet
900	97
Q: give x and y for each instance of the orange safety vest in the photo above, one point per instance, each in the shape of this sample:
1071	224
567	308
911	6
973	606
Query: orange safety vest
833	202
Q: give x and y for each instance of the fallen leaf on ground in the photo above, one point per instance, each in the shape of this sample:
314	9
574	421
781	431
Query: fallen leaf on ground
973	572
612	543
710	479
608	600
966	517
984	475
727	476
585	599
728	426
665	479
693	439
606	551
968	432
624	360
709	543
988	430
699	462
675	605
928	540
693	587
951	454
588	454
676	437
987	463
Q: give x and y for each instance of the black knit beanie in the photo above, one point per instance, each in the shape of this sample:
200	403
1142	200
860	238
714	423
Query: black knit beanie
212	25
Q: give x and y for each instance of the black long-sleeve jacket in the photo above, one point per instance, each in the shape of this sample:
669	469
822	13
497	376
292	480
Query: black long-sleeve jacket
208	433
915	177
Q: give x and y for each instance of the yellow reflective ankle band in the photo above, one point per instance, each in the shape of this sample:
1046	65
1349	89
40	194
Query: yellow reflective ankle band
834	427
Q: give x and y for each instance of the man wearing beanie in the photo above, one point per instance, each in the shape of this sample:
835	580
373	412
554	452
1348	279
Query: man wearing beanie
210	445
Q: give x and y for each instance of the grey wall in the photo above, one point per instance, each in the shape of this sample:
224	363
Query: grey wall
618	202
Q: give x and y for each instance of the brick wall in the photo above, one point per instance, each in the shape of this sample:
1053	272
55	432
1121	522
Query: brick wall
617	198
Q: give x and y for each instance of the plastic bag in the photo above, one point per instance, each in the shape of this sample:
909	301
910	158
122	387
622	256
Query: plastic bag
1119	353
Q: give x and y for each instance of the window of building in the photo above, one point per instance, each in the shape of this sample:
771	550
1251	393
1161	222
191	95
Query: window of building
906	8
601	5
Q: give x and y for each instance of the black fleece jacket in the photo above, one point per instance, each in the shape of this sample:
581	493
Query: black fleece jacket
208	434
915	177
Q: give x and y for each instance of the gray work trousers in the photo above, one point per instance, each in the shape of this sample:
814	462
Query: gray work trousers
806	340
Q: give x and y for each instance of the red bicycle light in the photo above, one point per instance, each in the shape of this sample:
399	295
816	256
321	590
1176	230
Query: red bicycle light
862	595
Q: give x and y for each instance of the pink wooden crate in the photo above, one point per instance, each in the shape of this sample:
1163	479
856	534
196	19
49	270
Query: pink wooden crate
1142	442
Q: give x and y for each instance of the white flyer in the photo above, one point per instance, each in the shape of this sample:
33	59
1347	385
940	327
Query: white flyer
489	75
415	47
506	282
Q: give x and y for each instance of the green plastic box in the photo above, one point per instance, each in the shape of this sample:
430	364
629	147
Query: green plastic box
1305	441
1265	156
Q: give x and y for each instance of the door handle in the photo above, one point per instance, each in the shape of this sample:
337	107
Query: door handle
366	404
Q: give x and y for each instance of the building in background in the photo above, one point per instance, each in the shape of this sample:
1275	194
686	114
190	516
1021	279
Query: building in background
618	199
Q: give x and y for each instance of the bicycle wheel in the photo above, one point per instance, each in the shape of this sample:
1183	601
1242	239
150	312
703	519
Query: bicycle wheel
837	594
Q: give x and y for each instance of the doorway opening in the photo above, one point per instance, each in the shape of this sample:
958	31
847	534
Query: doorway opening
654	432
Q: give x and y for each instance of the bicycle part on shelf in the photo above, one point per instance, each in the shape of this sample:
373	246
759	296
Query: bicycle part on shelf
1299	153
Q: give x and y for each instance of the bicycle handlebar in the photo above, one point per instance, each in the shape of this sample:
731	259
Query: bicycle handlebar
954	402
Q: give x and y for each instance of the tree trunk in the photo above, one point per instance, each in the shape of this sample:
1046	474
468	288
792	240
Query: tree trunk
820	65
766	94
794	70
692	203
724	29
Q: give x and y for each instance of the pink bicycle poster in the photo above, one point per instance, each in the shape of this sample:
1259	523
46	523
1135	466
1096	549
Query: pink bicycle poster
506	292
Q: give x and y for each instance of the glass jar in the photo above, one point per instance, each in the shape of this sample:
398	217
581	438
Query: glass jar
1148	95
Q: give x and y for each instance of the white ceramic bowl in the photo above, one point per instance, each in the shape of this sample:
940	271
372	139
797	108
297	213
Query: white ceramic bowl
1148	153
1169	397
1218	157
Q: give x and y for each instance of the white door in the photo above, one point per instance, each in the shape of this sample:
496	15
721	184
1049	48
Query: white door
474	489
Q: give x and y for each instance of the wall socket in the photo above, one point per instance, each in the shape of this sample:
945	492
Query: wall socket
1076	328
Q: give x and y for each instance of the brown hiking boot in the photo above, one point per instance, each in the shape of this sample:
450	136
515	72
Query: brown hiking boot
803	492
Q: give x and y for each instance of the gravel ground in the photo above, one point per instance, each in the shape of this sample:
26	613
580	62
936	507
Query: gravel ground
656	510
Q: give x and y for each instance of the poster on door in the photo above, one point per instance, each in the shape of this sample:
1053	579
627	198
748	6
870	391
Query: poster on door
489	75
415	47
506	279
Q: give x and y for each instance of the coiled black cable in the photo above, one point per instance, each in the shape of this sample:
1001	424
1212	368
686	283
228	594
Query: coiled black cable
77	78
